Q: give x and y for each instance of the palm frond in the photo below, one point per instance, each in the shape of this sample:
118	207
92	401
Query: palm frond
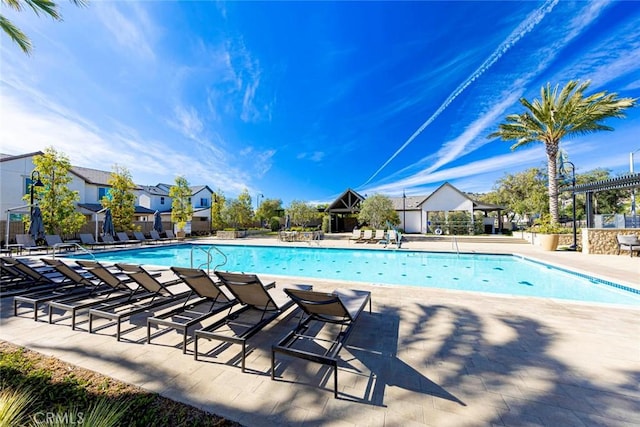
49	7
16	35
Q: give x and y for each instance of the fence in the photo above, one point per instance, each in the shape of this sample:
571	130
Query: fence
456	227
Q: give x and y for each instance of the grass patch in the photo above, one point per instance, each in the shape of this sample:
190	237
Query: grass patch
50	387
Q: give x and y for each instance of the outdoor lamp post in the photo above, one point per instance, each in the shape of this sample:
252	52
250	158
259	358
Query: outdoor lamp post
34	183
404	212
574	246
258	197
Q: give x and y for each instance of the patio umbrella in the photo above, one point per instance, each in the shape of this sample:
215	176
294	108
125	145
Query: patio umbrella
36	228
157	222
107	226
287	222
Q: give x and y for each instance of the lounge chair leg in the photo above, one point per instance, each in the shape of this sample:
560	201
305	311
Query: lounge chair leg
184	342
335	380
148	333
90	323
118	331
50	313
195	347
244	346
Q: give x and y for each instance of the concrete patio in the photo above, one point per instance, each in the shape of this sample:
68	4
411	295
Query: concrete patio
423	357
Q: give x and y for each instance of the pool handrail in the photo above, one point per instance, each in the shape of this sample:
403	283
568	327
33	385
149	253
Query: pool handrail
209	258
77	246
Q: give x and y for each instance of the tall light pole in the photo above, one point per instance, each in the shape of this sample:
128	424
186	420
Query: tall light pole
633	190
404	212
574	246
34	183
258	197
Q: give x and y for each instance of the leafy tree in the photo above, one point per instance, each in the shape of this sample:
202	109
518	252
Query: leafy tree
181	208
268	209
559	115
121	199
238	213
377	210
301	213
522	193
217	222
47	7
57	202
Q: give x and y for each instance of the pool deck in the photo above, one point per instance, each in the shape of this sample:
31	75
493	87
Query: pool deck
423	357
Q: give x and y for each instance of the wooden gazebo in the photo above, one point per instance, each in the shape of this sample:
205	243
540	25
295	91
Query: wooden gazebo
342	212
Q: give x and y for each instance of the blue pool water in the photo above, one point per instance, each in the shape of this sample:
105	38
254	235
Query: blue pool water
501	274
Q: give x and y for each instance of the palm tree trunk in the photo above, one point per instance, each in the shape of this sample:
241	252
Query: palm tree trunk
552	153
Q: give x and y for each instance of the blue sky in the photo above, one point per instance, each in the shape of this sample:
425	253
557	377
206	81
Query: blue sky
302	100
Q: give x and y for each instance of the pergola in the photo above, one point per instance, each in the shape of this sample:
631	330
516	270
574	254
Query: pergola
624	182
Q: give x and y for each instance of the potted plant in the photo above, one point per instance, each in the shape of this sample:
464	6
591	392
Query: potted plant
548	232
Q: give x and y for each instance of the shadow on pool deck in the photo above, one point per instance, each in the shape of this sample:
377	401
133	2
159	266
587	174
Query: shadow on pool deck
424	357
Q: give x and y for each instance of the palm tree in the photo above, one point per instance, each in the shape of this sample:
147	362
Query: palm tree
48	7
559	115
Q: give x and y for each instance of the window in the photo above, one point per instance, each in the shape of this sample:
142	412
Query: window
162	200
102	192
204	202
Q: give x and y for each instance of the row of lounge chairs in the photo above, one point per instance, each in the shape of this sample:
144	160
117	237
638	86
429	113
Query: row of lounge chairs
387	237
124	239
54	243
243	303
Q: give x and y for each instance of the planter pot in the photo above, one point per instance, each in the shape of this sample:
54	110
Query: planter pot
549	242
180	234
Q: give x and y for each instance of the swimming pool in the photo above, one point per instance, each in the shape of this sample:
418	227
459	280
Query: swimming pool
501	274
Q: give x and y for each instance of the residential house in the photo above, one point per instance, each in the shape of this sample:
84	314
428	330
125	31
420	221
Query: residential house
156	197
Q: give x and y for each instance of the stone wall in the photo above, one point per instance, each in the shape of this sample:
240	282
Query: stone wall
230	234
603	240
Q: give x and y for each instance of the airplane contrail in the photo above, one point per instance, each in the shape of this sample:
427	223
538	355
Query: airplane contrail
525	26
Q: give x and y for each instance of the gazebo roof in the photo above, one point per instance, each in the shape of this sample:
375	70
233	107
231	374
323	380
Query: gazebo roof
347	202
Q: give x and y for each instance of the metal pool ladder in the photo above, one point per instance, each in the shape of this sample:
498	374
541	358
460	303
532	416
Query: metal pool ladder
454	244
82	248
209	260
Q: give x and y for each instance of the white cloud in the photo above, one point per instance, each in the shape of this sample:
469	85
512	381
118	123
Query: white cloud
187	122
133	30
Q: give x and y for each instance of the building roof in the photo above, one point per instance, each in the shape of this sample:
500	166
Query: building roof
92	176
95	207
8	157
154	190
409	203
348	202
197	188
